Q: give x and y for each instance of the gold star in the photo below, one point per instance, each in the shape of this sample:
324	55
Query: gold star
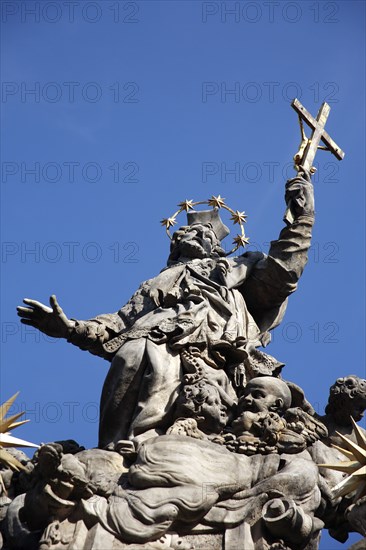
186	205
216	202
355	466
238	217
168	222
240	240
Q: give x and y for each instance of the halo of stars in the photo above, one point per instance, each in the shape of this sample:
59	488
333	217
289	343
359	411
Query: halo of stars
215	202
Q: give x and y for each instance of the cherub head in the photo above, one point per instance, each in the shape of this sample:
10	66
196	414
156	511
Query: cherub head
265	394
347	397
202	402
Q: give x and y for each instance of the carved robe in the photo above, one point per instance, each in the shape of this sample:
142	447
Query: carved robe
220	306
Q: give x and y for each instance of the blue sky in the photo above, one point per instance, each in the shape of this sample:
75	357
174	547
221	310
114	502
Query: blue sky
113	112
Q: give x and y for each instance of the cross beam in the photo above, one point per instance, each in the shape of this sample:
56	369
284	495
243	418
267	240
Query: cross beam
306	154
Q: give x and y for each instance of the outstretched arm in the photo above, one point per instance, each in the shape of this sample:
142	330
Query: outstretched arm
50	320
87	335
276	276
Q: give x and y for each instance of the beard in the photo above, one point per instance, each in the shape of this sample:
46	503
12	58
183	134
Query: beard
192	249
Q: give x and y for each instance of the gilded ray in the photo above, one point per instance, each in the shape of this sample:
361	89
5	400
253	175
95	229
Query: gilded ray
7	440
346	453
358	452
9	423
6	406
349	467
355	467
360	436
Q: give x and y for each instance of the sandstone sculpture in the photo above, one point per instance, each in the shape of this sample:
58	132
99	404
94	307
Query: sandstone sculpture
202	443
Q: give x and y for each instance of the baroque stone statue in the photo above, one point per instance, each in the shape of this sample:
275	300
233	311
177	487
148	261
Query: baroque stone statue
202	443
199	322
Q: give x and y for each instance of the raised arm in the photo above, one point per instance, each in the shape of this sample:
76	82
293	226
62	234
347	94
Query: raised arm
276	276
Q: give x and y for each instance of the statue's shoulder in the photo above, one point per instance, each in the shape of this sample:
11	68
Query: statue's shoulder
234	271
248	259
240	267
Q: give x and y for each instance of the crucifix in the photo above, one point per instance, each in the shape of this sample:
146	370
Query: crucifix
309	146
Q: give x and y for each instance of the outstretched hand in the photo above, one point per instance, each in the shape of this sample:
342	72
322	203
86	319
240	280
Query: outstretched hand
50	320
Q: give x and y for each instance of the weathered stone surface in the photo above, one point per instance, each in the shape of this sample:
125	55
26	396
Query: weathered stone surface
186	343
347	398
201	444
356	515
360	545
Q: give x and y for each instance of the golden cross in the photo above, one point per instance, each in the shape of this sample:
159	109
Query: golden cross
309	146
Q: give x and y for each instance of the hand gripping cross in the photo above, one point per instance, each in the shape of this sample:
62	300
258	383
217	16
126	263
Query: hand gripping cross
308	147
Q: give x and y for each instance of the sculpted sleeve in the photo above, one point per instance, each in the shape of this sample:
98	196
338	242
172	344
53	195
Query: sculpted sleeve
275	277
90	335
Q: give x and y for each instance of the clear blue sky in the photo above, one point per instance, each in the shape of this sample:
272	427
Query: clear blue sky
113	112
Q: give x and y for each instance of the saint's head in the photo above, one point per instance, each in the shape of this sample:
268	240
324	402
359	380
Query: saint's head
200	238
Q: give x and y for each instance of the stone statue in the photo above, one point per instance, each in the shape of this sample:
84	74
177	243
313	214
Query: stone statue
347	398
174	482
347	401
217	308
202	444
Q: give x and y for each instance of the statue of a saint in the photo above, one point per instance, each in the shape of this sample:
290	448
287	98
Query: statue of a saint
190	400
203	305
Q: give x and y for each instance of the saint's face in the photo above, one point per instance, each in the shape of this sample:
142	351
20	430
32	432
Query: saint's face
196	241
